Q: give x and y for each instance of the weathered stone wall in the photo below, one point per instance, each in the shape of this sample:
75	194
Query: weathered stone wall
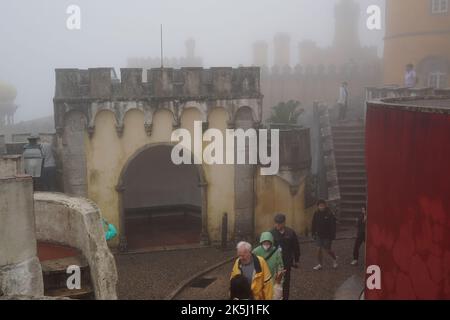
76	222
11	166
316	83
2	145
102	123
20	269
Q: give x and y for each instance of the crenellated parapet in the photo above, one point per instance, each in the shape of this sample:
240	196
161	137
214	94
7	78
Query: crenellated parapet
184	83
94	90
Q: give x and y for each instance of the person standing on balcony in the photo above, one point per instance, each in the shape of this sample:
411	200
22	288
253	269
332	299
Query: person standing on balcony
410	76
343	101
49	168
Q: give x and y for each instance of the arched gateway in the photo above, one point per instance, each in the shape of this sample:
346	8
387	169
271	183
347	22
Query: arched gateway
114	142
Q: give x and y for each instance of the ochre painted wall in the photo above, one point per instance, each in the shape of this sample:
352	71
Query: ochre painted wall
273	196
107	155
413	34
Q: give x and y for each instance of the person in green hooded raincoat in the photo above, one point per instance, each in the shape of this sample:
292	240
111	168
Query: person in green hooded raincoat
272	256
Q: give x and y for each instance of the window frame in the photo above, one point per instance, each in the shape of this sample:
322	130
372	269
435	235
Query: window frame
438	77
438	8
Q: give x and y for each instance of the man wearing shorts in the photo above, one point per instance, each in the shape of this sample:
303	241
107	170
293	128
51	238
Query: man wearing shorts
324	232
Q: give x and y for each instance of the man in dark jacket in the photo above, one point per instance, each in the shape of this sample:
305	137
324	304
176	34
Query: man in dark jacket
360	235
324	232
287	240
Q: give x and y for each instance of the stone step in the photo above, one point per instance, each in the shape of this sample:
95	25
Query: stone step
339	145
349	134
350	158
353	196
85	293
350	152
351	173
352	180
352	209
349	139
350	166
352	188
348	128
352	203
347	221
55	272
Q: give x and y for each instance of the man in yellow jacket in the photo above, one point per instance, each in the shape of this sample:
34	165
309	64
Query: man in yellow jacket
256	271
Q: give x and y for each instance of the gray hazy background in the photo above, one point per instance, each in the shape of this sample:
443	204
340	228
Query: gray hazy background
34	39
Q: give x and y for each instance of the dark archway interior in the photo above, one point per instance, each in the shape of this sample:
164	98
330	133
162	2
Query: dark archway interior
162	201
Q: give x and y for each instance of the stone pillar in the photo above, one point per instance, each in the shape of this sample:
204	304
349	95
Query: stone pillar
73	155
204	237
20	269
244	185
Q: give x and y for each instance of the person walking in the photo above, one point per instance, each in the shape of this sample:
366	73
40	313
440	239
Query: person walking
255	270
360	235
324	232
240	288
272	255
286	239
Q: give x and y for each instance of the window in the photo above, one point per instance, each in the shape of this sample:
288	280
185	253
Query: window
439	6
437	80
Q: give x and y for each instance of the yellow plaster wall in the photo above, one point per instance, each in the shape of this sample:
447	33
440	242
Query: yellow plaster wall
273	196
107	155
412	34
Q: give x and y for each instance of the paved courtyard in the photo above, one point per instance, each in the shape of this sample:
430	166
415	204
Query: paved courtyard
155	275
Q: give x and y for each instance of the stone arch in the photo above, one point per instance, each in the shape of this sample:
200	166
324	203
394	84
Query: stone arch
184	111
229	115
94	118
121	188
200	107
175	118
245	114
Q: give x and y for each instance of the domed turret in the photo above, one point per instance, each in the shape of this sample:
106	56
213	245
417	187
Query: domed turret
7	93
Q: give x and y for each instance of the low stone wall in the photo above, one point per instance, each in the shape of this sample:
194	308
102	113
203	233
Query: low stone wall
76	222
20	270
10	166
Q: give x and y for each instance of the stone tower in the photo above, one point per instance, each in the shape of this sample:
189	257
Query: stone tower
346	28
261	54
282	50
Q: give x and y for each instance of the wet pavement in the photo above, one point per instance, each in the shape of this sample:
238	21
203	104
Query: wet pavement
306	283
156	275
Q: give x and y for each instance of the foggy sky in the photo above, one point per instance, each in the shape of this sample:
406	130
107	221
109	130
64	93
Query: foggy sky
34	39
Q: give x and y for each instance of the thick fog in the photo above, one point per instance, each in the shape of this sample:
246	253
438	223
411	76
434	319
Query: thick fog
34	39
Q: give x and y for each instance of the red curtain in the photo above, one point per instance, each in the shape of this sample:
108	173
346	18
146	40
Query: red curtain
408	225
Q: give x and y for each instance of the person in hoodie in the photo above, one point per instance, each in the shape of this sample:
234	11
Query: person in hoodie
274	259
324	232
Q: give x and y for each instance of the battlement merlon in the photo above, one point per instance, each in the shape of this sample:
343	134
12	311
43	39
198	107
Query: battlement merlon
216	83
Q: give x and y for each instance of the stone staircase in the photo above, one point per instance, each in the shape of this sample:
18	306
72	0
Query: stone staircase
55	278
349	149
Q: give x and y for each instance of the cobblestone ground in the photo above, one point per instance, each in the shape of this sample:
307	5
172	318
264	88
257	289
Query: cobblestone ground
148	276
155	275
306	284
